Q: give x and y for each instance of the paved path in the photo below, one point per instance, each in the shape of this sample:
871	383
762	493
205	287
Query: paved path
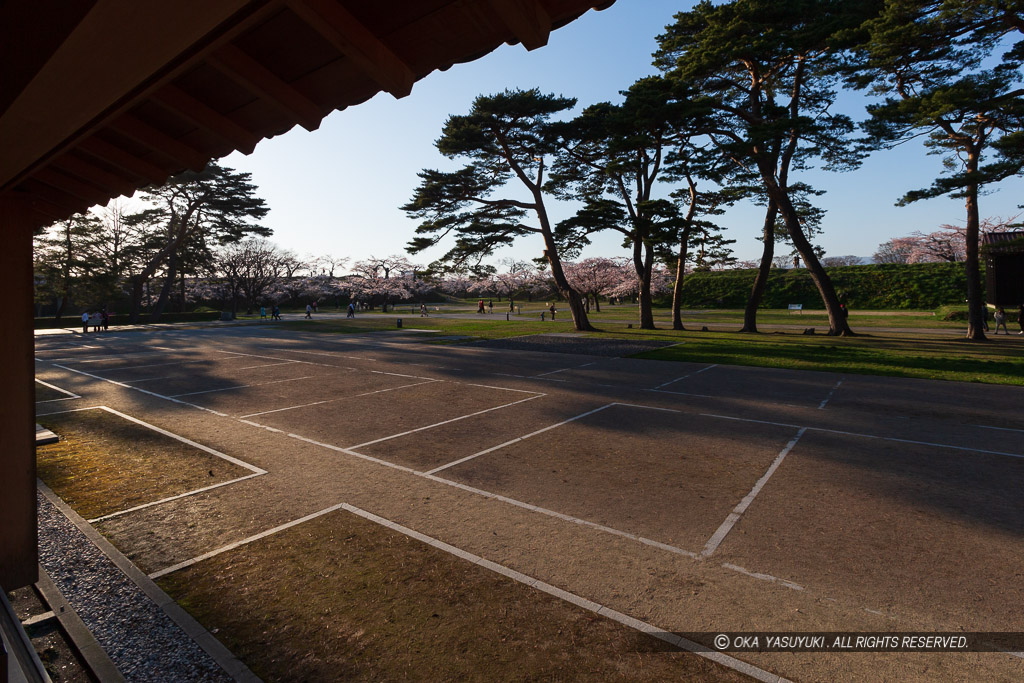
693	497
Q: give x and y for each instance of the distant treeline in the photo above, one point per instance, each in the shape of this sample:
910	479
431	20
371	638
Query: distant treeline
879	286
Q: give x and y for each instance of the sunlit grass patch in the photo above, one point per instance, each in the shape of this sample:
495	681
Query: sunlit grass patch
104	463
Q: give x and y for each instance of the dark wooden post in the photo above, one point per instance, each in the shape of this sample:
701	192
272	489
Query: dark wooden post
18	554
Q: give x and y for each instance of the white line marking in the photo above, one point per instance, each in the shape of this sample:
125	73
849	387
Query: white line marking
340	398
244	541
160	365
488	386
575	367
322	353
69	410
865	436
738	511
144	391
170	498
190	442
822	406
546	379
244	386
1002	429
681	393
764	577
557	515
151	379
677	379
438	424
397	374
267	365
516	440
637	405
56	388
346	451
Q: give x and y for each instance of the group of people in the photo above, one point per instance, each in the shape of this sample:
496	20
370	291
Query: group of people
275	313
96	321
1000	318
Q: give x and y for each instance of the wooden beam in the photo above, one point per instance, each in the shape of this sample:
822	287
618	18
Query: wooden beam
128	42
71	185
115	184
257	78
332	21
198	113
44	214
526	19
118	157
62	200
157	140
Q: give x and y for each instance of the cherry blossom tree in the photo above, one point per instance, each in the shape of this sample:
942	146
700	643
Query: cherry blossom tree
594	277
455	284
948	244
386	278
837	261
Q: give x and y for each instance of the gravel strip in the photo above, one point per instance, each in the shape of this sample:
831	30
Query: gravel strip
138	636
588	346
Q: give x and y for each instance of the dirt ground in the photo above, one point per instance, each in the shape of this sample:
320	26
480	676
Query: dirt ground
695	498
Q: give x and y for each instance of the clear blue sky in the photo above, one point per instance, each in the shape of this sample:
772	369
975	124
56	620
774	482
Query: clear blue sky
337	190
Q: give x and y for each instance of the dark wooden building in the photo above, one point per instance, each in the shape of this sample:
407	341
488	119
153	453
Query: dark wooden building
1004	268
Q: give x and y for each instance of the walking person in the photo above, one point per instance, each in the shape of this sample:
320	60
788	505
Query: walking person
85	322
263	312
490	305
275	313
552	309
480	306
105	316
423	310
309	311
1000	318
351	310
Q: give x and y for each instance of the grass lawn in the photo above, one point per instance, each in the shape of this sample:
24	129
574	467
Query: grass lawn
872	352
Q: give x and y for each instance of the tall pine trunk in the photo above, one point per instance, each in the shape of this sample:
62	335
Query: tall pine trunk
579	314
763	270
135	310
975	295
677	288
165	290
780	196
643	263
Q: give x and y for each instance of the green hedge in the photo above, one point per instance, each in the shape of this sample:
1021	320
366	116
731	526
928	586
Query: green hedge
878	286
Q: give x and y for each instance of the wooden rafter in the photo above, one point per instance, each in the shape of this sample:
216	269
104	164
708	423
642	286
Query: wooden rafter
116	156
199	114
115	185
257	78
159	141
526	19
332	21
73	186
67	203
